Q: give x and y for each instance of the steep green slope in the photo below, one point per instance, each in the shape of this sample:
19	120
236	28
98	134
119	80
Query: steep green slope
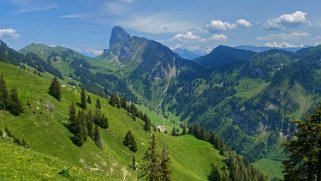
44	130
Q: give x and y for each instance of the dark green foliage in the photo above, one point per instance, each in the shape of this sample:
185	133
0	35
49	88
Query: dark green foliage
151	167
98	105
83	102
90	125
175	132
15	106
239	169
16	140
304	160
123	102
215	174
80	134
114	100
4	95
65	172
97	137
72	118
134	164
100	119
55	89
147	123
130	142
9	101
165	162
89	99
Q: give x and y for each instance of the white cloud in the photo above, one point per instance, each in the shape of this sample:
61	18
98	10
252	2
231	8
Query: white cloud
218	37
281	45
31	6
156	24
287	21
93	52
189	36
284	36
73	16
219	25
8	33
116	7
242	23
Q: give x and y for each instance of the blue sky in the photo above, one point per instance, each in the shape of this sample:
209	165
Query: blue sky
85	25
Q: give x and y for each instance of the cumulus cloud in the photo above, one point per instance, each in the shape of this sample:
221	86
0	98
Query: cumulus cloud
189	36
8	33
93	52
281	45
287	21
157	24
218	37
219	25
242	23
284	36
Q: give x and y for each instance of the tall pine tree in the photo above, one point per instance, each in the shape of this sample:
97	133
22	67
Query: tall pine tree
15	106
72	118
4	96
98	105
151	167
304	161
55	89
97	137
83	99
166	174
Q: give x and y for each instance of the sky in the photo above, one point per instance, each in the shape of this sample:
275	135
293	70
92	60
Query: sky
85	25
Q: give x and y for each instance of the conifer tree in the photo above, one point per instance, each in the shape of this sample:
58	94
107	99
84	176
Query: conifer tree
304	162
83	99
151	167
114	100
90	124
166	174
215	174
130	141
55	89
72	118
134	166
97	137
15	106
147	123
89	99
4	96
98	105
123	102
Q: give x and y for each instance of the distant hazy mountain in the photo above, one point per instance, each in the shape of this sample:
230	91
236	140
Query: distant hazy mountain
265	48
189	54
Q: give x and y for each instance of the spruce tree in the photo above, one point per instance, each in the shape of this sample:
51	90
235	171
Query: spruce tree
114	100
4	96
15	106
90	126
97	137
123	102
55	89
147	123
151	166
304	161
98	105
215	174
130	142
72	118
134	166
83	99
89	99
166	174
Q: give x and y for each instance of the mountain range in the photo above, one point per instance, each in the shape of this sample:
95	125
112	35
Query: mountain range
248	97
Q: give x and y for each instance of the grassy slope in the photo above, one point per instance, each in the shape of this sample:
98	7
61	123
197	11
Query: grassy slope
248	87
45	132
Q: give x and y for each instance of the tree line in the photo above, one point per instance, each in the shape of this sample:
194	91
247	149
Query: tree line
9	100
